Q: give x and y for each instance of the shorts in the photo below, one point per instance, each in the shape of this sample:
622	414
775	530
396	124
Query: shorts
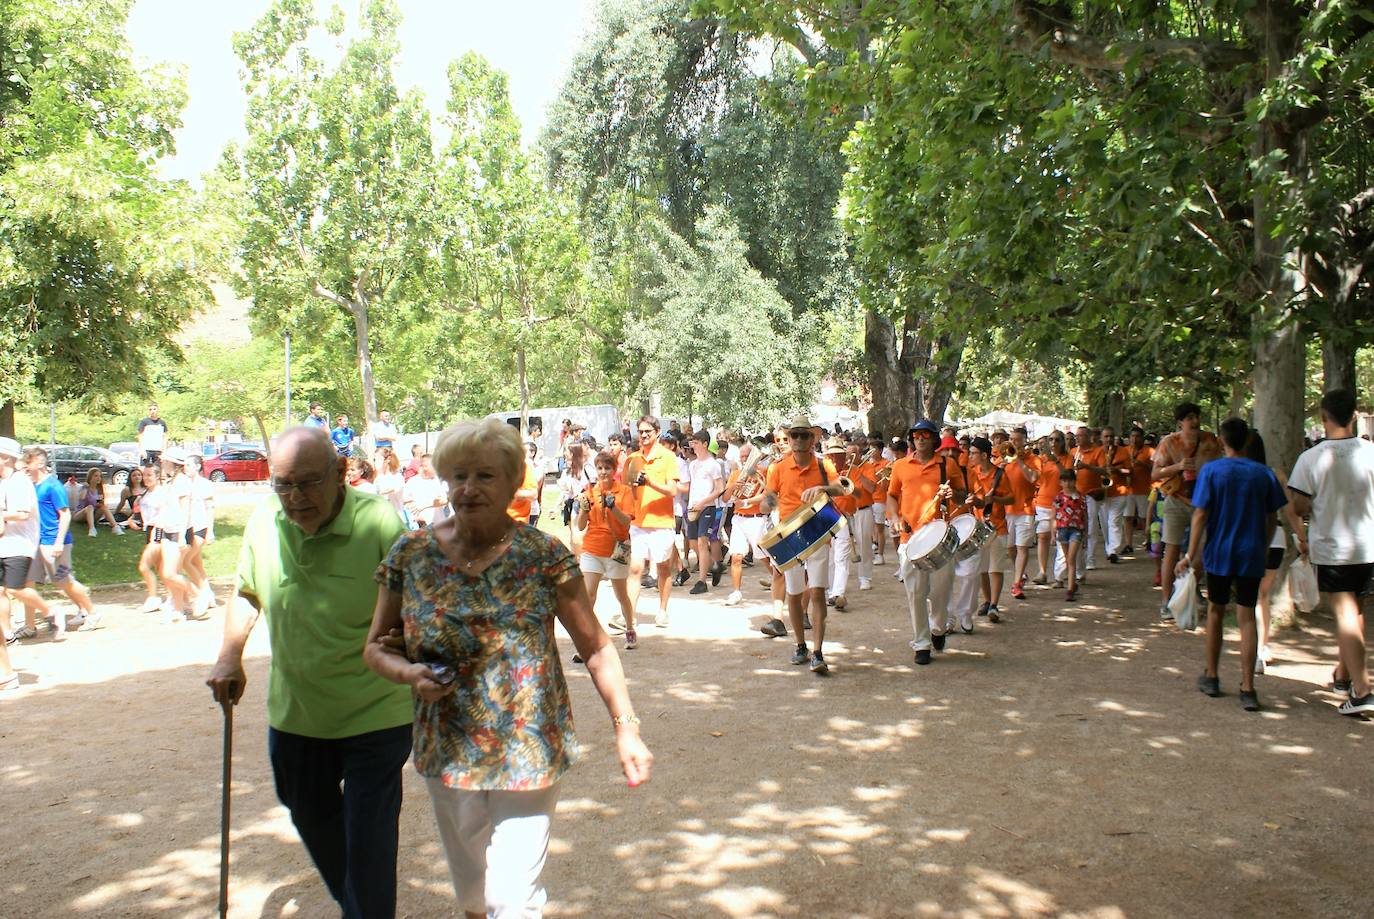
1066	535
880	513
1044	520
606	567
653	543
1345	579
811	574
1273	559
704	525
994	557
192	535
746	533
169	536
1021	529
1138	506
14	571
1219	590
152	534
1178	514
58	571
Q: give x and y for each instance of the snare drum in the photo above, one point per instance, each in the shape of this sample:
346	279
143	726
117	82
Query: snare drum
973	535
932	547
805	531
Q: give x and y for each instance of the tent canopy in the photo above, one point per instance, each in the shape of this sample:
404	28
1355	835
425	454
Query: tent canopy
1035	425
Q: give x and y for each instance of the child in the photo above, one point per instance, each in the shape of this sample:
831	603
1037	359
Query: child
1070	522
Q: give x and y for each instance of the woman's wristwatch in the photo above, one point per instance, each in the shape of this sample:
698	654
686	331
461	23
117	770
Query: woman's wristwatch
619	720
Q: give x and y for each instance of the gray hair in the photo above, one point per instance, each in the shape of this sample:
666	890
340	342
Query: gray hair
490	436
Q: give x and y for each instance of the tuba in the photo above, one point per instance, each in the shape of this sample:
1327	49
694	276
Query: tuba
750	482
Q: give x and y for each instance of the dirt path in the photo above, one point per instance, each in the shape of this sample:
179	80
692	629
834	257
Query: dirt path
1060	763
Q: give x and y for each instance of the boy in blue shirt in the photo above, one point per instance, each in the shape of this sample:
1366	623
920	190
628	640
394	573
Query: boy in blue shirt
342	436
52	563
1236	500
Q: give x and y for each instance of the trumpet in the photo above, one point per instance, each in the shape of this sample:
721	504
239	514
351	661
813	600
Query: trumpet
1008	450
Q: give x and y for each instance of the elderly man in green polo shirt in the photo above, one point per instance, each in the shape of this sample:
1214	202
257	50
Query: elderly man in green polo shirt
339	735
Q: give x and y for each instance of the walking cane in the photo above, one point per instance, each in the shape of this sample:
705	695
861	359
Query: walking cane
228	706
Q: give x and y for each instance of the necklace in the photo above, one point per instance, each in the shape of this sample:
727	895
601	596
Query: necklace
467	564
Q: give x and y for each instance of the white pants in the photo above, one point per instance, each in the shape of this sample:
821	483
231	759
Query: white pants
863	536
1118	507
496	843
965	591
927	602
841	554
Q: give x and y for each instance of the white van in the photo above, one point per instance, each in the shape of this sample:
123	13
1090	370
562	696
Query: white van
601	421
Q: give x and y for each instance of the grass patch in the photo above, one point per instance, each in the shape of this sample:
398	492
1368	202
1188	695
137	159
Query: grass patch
110	559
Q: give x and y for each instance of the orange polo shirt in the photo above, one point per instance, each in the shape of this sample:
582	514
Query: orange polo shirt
1047	486
1088	480
654	509
603	530
913	486
787	480
879	464
862	496
1141	465
1121	482
982	485
519	509
1022	489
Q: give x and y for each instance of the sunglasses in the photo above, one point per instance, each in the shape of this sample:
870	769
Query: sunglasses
799	435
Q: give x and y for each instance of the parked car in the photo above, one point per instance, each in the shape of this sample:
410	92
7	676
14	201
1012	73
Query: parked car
126	449
77	461
234	447
237	466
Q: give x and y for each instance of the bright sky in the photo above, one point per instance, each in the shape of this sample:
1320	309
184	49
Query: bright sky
533	41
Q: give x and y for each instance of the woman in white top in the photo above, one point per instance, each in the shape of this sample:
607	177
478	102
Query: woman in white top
391	484
174	515
577	475
200	528
144	509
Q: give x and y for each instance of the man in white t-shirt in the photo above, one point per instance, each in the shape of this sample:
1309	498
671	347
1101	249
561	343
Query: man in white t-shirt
1334	482
384	433
703	506
152	436
18	542
425	494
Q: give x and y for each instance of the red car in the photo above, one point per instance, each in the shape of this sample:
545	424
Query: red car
237	466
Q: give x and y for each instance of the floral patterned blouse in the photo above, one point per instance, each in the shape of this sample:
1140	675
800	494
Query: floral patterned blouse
508	724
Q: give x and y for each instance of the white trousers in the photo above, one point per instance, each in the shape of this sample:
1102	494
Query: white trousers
927	602
965	591
863	537
496	843
1117	508
841	555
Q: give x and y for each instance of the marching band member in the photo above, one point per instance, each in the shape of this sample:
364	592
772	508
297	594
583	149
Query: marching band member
842	544
746	490
1142	460
963	592
921	484
989	496
799	478
866	462
1022	474
1117	460
882	469
651	535
1088	471
1053	458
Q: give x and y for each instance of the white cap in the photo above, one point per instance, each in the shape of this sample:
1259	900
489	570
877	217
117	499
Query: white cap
10	447
174	455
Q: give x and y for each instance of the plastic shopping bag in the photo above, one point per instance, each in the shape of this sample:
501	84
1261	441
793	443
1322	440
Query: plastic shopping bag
1183	603
1302	585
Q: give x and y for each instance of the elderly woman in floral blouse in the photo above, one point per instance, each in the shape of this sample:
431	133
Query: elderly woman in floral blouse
475	597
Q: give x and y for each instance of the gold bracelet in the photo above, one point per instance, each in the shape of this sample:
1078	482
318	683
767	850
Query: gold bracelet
619	720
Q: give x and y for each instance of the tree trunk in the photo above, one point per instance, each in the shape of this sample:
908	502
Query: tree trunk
266	441
7	418
358	307
935	385
1338	360
524	389
891	380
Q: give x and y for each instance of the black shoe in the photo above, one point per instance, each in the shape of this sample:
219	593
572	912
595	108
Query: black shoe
800	656
1209	685
773	628
923	656
682	577
983	610
1362	705
1128	550
829	601
1249	700
648	582
1113	559
818	664
1340	686
699	588
938	641
716	571
577	659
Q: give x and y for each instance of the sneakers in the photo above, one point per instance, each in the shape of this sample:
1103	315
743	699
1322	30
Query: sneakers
1113	559
773	628
878	559
966	628
150	605
118	530
1259	666
1092	566
1017	591
923	656
1209	685
983	609
840	602
800	656
682	577
631	639
92	622
829	601
1362	706
1341	686
717	570
1041	580
818	664
92	533
994	614
1249	700
617	622
699	588
1165	614
648	582
24	633
865	584
734	599
1058	583
661	620
938	641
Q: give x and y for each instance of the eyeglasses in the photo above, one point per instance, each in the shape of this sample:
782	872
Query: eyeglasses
799	435
285	488
643	431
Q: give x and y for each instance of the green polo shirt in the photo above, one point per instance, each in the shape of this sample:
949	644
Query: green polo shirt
318	595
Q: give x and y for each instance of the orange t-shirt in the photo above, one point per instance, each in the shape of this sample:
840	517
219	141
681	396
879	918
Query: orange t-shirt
603	530
1121	481
879	464
788	481
991	483
1022	488
519	509
862	496
750	508
1088	480
1047	486
654	509
1140	471
913	486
